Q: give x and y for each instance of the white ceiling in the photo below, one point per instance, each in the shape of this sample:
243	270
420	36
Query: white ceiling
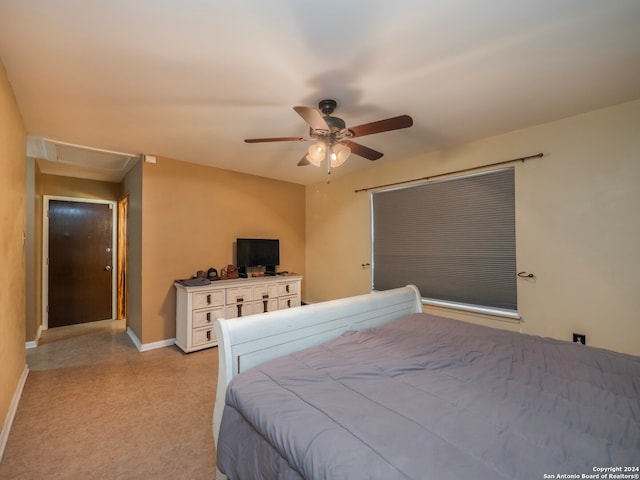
190	79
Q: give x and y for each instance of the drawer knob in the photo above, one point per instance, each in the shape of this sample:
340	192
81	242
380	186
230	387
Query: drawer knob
209	317
209	298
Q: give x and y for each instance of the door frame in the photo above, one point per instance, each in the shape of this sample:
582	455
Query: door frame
123	262
113	206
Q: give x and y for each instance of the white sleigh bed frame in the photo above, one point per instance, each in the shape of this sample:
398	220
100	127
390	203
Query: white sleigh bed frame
250	341
459	400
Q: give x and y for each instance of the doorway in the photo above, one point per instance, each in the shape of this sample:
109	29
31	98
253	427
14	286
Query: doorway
79	254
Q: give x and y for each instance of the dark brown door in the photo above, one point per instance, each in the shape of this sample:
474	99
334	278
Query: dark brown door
80	262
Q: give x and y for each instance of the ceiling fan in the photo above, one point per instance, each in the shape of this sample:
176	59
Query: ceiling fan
332	138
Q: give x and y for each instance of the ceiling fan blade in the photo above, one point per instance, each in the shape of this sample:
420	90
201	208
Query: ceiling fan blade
313	117
303	161
275	139
361	150
395	123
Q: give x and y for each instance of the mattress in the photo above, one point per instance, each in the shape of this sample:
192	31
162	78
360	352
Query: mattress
424	397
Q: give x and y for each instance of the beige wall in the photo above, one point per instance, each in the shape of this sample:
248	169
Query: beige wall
12	266
577	224
191	216
132	188
33	260
78	187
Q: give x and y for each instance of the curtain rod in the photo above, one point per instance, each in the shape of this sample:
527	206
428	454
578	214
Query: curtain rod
521	159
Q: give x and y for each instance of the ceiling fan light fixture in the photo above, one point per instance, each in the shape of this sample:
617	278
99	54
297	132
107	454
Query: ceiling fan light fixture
317	152
339	154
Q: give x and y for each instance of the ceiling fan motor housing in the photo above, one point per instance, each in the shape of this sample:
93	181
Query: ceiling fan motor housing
335	124
327	107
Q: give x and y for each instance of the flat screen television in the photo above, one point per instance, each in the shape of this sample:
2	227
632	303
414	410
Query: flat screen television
258	252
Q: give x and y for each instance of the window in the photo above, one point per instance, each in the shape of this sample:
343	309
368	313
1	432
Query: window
454	239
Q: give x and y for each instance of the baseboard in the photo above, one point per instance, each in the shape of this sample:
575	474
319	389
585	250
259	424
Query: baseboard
34	343
13	408
149	346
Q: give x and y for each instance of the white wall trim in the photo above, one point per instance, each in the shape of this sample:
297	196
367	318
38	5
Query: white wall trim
34	343
501	313
13	408
149	346
134	339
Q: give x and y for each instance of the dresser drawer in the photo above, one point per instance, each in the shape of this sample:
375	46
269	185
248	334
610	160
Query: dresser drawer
288	302
206	316
240	310
239	295
209	298
288	289
202	336
262	292
266	305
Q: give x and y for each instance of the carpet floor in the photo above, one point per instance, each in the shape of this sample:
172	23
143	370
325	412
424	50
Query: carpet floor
94	407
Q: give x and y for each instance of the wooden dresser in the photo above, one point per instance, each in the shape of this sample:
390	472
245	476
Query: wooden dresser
198	307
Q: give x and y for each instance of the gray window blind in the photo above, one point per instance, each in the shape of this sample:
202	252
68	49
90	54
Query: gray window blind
454	239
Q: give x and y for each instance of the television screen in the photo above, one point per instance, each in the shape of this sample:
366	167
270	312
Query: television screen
255	252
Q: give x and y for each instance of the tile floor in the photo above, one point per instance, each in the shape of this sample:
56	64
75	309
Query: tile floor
93	407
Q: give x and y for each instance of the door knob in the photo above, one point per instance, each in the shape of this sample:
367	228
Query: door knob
107	268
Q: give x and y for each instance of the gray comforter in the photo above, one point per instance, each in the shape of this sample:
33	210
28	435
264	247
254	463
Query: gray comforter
425	397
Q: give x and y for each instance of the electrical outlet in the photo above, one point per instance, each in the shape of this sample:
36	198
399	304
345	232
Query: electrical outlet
580	338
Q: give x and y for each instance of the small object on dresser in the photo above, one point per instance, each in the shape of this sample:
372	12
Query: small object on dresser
194	282
212	274
229	272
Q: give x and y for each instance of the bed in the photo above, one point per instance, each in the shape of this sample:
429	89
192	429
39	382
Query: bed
371	387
